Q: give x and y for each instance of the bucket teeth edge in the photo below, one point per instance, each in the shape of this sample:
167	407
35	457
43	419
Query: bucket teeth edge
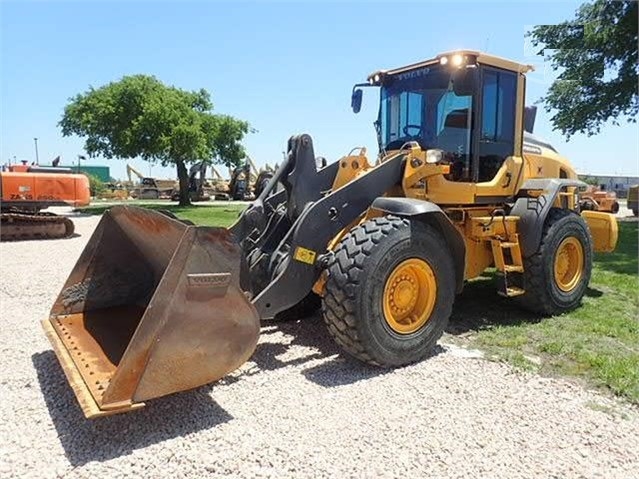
87	403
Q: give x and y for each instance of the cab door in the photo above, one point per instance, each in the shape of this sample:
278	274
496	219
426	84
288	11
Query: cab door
497	160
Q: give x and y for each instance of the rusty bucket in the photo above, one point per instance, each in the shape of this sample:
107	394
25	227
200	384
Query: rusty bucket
152	307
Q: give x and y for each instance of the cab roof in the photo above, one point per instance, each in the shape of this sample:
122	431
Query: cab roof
477	56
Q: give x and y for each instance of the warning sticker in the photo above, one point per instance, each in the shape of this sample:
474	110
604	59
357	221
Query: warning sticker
304	255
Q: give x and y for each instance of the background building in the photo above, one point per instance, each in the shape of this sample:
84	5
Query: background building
617	183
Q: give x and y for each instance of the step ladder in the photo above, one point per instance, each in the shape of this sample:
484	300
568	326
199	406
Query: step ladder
509	264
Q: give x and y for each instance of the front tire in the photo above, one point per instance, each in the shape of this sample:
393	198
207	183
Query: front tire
390	291
557	275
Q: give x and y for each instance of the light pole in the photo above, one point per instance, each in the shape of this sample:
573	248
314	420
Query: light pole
36	148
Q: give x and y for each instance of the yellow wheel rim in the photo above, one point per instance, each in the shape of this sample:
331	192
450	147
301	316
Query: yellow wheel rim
409	296
569	264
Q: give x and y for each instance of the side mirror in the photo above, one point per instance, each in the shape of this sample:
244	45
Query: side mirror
356	100
530	112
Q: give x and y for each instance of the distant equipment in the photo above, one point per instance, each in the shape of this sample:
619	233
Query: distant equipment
26	190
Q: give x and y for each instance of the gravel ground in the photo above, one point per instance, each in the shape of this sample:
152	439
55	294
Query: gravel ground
298	409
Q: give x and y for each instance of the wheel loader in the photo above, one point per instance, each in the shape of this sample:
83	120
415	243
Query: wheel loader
155	306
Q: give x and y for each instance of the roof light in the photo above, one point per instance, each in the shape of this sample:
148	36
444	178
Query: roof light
376	78
457	60
443	60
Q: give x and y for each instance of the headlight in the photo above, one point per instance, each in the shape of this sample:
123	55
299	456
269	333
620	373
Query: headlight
434	156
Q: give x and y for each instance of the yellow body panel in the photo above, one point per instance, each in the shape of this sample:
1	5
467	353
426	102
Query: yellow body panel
479	256
350	167
604	230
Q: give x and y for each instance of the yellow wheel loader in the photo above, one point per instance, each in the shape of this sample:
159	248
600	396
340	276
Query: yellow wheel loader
155	306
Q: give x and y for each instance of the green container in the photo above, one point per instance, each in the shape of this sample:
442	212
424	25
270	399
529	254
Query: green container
101	172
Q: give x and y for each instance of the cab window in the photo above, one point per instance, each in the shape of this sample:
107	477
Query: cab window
497	139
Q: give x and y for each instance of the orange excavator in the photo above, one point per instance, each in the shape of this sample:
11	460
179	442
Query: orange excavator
27	190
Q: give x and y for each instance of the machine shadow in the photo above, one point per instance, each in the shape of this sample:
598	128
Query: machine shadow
480	307
309	341
337	368
101	439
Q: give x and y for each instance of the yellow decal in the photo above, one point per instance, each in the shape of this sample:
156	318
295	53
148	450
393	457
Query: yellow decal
304	255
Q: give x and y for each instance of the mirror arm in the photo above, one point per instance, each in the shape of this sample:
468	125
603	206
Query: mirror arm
359	85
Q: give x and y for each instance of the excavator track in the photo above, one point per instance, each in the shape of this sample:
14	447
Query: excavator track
25	226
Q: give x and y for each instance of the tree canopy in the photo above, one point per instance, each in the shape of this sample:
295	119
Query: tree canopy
596	53
139	116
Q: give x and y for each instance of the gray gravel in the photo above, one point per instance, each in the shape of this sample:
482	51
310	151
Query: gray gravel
298	409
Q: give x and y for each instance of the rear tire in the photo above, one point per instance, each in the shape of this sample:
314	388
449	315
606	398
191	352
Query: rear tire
357	301
554	284
615	208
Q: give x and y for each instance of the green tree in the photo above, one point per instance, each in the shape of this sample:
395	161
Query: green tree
138	116
96	185
596	53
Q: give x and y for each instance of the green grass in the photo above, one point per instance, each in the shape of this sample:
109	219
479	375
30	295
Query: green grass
598	342
201	214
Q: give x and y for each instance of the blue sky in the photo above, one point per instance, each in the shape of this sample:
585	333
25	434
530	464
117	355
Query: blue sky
286	67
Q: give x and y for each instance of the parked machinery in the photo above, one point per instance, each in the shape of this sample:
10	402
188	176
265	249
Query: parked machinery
458	187
150	188
594	199
27	190
633	199
199	188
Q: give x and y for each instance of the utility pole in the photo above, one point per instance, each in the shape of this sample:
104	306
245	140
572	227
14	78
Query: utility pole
36	148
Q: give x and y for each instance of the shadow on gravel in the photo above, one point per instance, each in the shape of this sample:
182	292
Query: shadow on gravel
480	307
109	437
346	370
311	335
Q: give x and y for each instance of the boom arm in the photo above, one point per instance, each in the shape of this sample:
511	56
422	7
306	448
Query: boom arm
216	173
130	169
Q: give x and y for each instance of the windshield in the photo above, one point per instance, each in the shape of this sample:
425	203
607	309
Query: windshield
422	106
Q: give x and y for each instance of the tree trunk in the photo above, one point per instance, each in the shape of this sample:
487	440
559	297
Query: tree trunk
183	177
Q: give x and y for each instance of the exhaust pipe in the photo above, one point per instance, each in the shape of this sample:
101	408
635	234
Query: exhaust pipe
152	307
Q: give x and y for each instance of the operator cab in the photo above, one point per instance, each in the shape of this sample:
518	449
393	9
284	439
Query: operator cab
461	106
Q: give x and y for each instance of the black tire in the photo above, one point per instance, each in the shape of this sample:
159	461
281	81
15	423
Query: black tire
615	208
353	303
543	295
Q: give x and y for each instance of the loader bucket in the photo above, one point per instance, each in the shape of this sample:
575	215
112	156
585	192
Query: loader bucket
152	307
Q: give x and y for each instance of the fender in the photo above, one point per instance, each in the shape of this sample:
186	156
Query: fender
432	214
533	210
